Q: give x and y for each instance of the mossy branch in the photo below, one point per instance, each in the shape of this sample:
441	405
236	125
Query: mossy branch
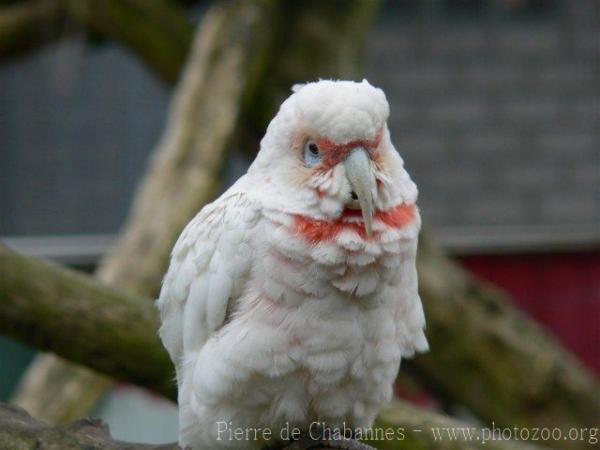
489	356
79	318
25	26
76	317
156	31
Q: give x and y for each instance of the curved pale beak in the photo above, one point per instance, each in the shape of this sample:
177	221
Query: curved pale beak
362	180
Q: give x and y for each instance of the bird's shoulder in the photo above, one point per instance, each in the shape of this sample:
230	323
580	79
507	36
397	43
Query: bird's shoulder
236	209
220	229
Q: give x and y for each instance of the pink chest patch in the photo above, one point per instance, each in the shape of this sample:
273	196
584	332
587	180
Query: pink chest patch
315	231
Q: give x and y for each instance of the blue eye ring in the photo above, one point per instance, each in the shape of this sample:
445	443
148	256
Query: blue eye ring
312	153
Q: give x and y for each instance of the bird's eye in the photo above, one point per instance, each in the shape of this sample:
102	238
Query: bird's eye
312	153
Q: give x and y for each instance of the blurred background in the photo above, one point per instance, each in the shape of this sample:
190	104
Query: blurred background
495	107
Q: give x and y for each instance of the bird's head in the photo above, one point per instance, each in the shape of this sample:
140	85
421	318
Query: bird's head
328	151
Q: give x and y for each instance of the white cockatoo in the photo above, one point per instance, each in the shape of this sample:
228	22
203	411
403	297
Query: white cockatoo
292	298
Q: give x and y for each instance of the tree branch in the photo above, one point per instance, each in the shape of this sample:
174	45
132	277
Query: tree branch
424	430
68	313
18	430
24	26
157	31
185	169
487	355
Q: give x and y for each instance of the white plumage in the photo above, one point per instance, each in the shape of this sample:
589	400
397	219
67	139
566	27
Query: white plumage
281	306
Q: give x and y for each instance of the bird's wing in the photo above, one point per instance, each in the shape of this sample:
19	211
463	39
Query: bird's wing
209	267
410	318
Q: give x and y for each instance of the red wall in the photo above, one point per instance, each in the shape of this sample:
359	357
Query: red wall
560	290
